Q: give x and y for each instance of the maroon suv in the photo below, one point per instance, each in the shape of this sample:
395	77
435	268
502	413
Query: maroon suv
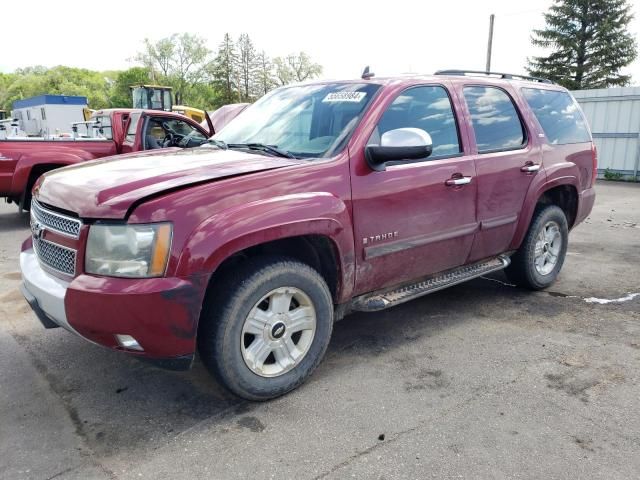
320	199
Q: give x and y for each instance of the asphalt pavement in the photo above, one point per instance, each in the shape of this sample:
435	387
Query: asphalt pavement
483	380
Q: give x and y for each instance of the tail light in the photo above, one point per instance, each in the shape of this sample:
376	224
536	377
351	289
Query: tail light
594	157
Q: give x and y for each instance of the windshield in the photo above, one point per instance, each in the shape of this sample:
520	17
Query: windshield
305	121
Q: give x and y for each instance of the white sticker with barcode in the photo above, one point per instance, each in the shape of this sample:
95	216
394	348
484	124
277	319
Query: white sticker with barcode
354	97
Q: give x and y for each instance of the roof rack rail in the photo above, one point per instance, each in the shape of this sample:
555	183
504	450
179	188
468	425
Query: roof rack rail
506	76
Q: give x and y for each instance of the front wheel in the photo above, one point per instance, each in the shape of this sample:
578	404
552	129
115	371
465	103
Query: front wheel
538	262
266	327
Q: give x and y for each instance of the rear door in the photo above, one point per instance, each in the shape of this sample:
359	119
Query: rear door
410	220
507	157
566	133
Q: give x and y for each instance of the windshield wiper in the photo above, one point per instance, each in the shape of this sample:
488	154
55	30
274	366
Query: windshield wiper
218	143
272	149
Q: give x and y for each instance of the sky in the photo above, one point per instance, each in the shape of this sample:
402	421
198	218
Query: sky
401	36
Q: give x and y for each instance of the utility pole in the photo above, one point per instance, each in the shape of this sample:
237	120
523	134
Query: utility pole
490	44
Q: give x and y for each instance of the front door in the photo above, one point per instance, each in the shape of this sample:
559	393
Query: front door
412	219
131	141
507	159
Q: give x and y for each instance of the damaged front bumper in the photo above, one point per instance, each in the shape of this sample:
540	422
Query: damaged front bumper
160	315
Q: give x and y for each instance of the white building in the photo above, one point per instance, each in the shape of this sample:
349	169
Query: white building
49	114
614	117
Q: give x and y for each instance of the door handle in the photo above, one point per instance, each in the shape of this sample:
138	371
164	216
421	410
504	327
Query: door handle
457	181
530	167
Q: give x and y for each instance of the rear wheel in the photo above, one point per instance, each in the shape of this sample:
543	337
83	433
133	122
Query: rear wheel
266	327
538	262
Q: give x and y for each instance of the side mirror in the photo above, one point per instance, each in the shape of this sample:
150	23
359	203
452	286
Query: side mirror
399	144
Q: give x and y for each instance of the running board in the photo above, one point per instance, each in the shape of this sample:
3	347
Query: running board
371	302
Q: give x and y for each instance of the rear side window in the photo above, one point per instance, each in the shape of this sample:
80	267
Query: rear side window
429	109
103	123
558	115
495	120
133	125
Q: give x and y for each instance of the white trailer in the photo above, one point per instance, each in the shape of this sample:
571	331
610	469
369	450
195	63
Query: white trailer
46	115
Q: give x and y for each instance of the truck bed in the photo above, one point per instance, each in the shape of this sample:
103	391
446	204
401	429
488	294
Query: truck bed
23	154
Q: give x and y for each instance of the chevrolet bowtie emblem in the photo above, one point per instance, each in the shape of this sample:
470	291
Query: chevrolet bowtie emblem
37	229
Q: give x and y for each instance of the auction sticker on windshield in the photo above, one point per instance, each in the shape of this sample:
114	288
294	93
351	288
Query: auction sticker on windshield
354	97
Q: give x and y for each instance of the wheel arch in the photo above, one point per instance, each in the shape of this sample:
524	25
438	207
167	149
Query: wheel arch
320	252
313	228
562	192
41	162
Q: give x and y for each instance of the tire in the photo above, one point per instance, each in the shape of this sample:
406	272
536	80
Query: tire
25	199
524	271
24	204
232	347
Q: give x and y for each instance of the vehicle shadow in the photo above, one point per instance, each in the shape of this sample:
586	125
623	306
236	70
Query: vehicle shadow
119	404
12	220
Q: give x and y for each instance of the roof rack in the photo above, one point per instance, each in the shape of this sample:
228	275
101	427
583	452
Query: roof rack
506	76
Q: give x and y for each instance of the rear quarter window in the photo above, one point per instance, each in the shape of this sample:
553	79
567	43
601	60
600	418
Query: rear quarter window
558	115
104	124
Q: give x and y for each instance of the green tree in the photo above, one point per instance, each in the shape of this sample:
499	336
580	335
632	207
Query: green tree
589	41
225	71
120	94
180	61
247	67
60	80
6	80
265	80
204	95
237	73
296	67
282	72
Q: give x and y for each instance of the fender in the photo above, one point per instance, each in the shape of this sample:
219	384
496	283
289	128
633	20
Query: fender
228	232
556	175
29	160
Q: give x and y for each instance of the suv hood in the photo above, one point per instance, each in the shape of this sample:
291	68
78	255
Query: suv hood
108	188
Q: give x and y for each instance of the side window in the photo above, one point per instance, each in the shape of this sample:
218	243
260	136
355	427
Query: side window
104	126
179	127
428	108
155	133
185	135
494	118
133	125
558	115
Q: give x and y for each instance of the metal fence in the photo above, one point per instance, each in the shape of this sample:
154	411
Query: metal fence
614	117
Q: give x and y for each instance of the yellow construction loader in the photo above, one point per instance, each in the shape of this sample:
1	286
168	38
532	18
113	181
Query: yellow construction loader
158	97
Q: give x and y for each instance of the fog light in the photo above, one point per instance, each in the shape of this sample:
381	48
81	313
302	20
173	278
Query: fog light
128	342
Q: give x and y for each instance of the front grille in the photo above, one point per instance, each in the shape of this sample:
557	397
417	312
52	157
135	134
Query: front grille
55	222
54	256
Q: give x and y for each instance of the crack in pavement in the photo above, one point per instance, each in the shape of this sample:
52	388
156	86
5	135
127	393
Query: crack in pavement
605	428
401	434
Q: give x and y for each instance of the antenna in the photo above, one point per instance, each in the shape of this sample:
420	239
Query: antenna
366	74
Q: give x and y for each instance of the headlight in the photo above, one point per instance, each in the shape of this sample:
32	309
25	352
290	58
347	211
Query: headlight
128	250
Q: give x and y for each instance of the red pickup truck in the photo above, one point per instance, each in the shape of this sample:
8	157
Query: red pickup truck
320	199
22	161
